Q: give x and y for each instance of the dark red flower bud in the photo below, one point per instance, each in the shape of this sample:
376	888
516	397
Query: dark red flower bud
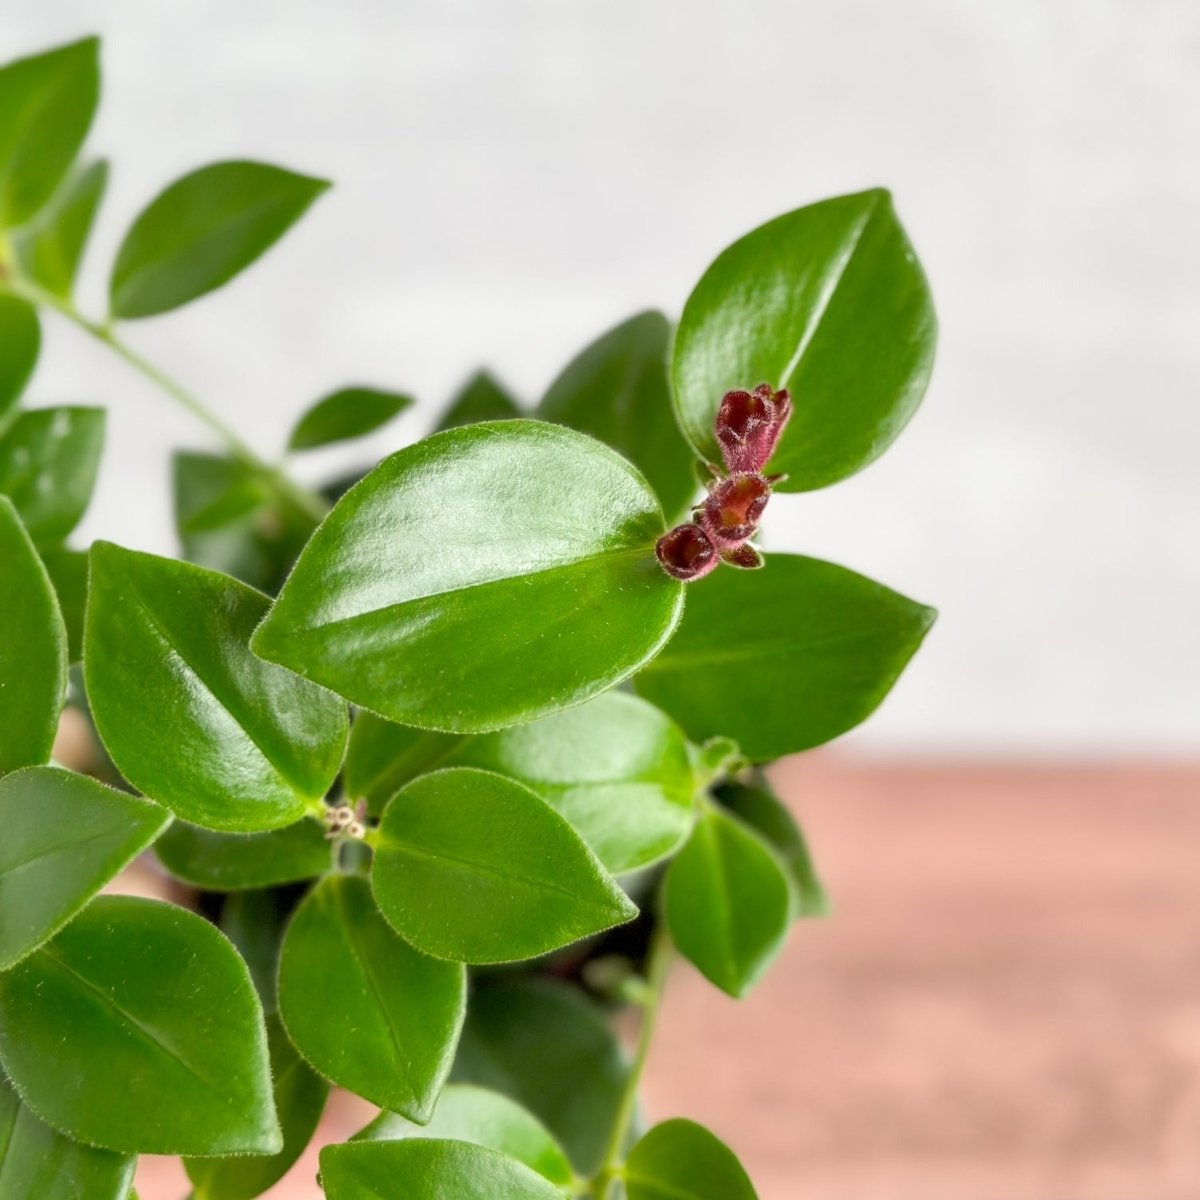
687	553
730	514
744	556
748	426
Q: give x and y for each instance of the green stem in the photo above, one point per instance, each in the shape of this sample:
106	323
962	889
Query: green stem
308	502
658	962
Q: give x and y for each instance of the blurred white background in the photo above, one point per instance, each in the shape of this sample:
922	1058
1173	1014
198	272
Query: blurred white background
514	176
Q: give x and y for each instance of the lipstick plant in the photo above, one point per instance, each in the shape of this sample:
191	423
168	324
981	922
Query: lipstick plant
452	758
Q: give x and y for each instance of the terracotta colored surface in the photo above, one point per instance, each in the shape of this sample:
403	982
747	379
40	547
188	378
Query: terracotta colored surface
1006	1005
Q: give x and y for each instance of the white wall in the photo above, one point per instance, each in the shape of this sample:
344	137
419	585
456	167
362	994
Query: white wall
514	175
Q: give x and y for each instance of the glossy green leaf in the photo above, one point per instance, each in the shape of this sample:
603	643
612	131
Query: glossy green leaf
202	231
188	714
550	1048
615	767
784	659
226	862
46	106
346	414
68	571
65	837
33	650
484	1118
363	1007
299	1098
136	1029
39	1163
617	390
680	1160
759	807
226	523
729	903
482	398
424	1169
48	463
476	868
830	302
20	341
255	921
50	247
435	583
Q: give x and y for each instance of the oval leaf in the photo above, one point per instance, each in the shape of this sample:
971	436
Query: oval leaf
435	581
784	659
20	341
617	390
482	398
345	414
483	1118
137	1029
65	837
226	862
551	1048
46	106
830	302
68	571
39	1163
33	650
299	1098
48	463
488	848
202	230
50	247
680	1160
430	1170
187	713
728	903
363	1007
616	768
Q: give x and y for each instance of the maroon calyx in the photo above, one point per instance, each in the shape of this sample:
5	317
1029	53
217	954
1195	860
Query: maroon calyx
748	426
687	553
731	513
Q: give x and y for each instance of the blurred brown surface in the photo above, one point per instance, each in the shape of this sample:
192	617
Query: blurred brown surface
1005	1005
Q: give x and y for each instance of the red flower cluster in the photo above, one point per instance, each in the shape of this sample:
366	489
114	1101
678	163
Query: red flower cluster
748	427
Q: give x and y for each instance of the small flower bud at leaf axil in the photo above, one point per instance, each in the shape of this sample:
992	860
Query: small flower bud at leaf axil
748	426
686	552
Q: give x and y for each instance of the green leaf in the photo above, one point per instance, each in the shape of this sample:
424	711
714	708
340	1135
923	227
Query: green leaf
363	1007
137	1029
226	524
68	571
482	398
550	1048
299	1098
830	302
483	577
784	659
346	414
65	837
617	390
680	1160
255	921
763	811
512	879
48	463
50	247
38	1163
20	341
33	650
226	862
729	903
483	1118
202	230
383	756
428	1170
46	106
187	713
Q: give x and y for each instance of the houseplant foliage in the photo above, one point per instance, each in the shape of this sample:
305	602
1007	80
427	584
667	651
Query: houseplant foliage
454	764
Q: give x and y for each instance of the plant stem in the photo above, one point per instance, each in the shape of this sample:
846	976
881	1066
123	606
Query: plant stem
658	961
308	502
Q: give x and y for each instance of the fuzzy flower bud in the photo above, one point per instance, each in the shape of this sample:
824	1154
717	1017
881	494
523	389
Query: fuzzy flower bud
749	425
